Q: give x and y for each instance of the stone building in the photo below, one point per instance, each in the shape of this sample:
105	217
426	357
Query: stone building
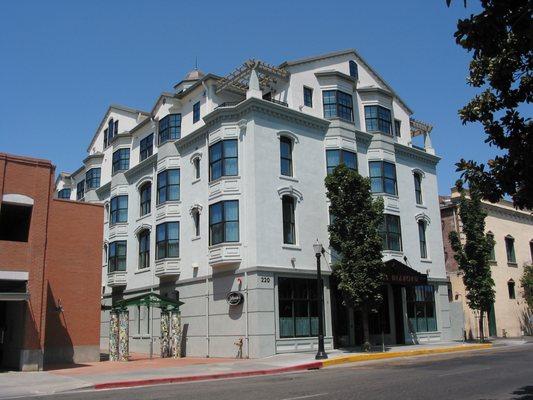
219	188
512	231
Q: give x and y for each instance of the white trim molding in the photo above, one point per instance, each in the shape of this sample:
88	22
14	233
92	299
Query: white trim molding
291	191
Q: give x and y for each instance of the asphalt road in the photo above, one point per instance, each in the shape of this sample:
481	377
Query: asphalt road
500	373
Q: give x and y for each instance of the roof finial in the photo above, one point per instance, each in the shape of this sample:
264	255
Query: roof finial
196	63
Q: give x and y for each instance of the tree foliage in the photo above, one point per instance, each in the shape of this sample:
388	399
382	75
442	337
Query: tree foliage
527	284
354	235
500	39
474	254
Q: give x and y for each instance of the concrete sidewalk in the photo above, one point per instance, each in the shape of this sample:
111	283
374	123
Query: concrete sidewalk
140	372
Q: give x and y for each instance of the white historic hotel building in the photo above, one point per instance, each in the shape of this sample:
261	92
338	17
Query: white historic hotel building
220	188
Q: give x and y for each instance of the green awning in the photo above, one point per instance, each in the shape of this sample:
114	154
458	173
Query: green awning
149	300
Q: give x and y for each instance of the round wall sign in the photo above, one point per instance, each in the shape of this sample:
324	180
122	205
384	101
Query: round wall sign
234	298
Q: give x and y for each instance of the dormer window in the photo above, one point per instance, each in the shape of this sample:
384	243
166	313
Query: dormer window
196	112
354	72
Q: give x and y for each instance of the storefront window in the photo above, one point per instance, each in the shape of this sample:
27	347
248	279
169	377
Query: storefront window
421	308
298	307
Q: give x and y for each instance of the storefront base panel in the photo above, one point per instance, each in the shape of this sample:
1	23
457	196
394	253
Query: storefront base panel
302	344
71	354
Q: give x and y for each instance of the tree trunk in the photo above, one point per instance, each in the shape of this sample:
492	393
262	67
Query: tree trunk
481	335
366	329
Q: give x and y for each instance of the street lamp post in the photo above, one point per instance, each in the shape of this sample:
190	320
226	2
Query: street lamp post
321	353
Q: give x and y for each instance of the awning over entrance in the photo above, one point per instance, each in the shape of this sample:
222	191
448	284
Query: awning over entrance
150	300
397	273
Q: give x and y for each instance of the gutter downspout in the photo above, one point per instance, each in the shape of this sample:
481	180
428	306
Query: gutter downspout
207	316
206	88
246	314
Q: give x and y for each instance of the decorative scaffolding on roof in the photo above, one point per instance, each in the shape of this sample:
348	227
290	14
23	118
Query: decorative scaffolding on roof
422	128
419	127
238	80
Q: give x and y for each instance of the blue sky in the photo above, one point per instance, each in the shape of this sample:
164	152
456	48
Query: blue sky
63	62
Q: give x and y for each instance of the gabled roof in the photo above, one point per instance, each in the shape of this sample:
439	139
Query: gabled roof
359	58
109	109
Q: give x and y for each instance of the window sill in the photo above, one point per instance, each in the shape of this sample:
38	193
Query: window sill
493	262
291	247
117	224
162	260
118	172
218	245
426	260
512	264
142	271
196	238
215	181
196	180
161	205
383	194
143	217
289	178
392	252
421	206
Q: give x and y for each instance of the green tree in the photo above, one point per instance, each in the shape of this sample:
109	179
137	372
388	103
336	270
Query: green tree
500	39
474	254
354	235
527	283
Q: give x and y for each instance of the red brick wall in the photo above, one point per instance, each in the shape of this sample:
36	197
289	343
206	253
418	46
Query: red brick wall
32	178
74	273
68	235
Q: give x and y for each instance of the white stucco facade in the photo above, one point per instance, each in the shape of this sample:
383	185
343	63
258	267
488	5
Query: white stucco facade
204	273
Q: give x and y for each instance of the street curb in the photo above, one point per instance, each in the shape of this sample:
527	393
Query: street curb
398	354
193	378
293	368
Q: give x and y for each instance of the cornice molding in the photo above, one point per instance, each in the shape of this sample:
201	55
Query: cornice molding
415	154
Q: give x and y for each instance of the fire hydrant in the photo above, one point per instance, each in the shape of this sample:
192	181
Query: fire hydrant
239	343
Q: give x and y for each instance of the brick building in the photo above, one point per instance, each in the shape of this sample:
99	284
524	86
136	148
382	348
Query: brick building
50	269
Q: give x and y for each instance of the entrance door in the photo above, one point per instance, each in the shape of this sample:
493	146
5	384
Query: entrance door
492	321
398	313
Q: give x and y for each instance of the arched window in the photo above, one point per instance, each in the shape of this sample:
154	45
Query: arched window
289	228
418	187
196	163
490	237
510	288
509	247
285	153
354	72
196	219
145	198
144	249
422	239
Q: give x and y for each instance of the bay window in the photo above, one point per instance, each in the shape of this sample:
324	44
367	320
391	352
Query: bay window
168	186
378	119
391	232
337	104
167	240
169	128
117	256
223	159
119	209
383	177
224	222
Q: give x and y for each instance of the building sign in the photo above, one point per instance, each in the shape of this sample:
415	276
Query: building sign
234	298
397	273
